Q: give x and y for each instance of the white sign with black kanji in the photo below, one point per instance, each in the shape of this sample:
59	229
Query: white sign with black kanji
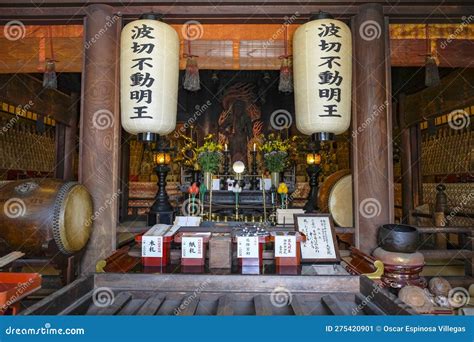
247	247
192	247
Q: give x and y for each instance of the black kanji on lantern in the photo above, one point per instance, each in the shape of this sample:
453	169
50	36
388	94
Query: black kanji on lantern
142	32
329	30
141	62
331	78
140	111
140	79
146	47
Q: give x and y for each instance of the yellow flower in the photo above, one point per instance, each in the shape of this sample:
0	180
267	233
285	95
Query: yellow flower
282	188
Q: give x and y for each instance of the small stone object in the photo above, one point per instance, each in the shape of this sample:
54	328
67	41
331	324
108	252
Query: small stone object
430	296
442	301
416	298
439	286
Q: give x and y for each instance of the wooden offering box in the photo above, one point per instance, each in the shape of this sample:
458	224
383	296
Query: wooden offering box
193	247
156	244
220	251
287	248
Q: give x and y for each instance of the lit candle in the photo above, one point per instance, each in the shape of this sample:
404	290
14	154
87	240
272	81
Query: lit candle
254	147
225	147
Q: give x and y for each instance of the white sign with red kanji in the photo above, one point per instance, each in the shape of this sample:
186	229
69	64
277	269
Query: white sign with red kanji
192	247
285	246
152	246
247	247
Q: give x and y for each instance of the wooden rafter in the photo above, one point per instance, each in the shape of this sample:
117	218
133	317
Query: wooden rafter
235	11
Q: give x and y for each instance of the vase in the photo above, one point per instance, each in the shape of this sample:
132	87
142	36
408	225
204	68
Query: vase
275	177
208	180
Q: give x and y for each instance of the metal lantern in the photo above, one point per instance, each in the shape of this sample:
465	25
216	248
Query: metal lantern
322	72
149	72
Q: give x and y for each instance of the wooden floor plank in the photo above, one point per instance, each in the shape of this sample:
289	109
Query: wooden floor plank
224	306
263	307
118	304
297	306
131	307
368	306
334	305
151	305
188	306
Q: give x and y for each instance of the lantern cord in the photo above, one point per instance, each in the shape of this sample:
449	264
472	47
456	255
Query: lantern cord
286	41
427	35
51	42
189	43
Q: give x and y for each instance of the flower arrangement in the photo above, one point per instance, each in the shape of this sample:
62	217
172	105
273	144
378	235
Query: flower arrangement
276	152
209	155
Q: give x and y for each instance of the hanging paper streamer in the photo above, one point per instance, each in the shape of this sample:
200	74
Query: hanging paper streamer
431	66
50	80
286	70
191	77
286	76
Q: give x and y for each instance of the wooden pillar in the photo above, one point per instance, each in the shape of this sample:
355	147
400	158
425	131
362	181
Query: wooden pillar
415	138
70	139
124	175
372	126
411	167
60	135
406	163
99	162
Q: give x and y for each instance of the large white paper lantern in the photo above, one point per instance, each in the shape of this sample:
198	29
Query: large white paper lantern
149	73
322	71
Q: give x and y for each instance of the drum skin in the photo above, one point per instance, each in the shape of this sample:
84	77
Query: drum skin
38	213
335	197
